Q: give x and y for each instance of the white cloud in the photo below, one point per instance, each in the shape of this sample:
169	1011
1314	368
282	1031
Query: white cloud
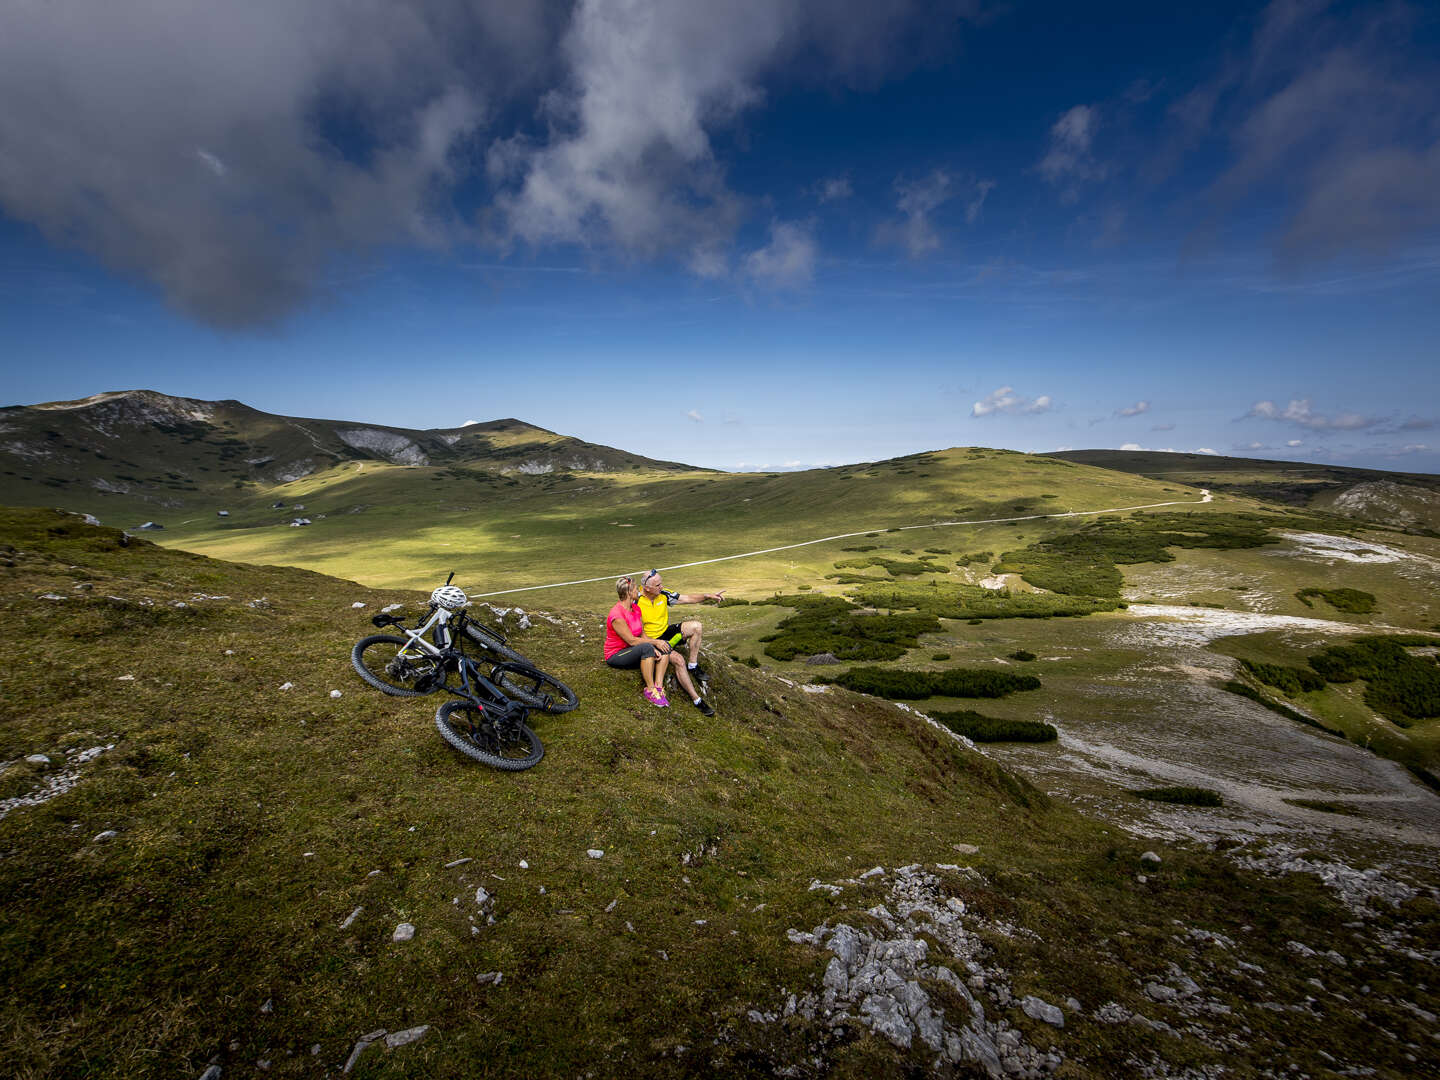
834	189
788	260
213	163
1294	442
1139	408
1207	450
972	208
1132	446
1069	162
467	423
918	200
1006	401
1300	413
694	414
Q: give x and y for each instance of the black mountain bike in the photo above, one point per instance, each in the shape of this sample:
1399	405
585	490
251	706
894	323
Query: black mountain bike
415	662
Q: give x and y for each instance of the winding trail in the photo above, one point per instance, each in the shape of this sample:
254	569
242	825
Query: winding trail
1205	493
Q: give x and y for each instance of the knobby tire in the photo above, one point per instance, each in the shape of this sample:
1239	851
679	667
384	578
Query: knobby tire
520	752
381	650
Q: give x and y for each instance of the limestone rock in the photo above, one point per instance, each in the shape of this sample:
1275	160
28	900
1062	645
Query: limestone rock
1037	1009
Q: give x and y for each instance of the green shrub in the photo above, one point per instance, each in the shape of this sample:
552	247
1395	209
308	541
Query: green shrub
1084	562
918	685
1288	680
832	624
1323	807
938	551
733	602
954	600
940	657
1350	601
980	728
1184	796
859	547
894	567
751	661
1023	655
1400	687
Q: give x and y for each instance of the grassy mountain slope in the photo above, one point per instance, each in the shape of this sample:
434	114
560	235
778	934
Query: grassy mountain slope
249	822
1393	498
142	455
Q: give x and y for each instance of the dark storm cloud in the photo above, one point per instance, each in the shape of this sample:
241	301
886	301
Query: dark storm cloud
227	152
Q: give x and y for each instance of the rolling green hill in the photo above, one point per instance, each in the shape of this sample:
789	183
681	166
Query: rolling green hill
138	454
1406	500
212	864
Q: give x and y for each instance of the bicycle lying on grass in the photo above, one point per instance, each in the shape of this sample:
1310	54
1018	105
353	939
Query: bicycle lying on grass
487	719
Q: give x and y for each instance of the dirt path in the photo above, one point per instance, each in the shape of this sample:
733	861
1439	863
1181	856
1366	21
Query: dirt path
1204	492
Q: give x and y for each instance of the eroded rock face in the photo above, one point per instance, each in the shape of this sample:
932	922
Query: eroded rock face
391	446
883	974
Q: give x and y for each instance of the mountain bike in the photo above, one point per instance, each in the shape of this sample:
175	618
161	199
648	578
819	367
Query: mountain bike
419	662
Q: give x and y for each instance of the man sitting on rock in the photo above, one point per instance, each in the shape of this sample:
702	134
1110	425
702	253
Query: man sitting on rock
654	605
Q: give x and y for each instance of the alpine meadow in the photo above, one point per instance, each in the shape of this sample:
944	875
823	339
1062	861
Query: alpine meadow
650	539
1020	766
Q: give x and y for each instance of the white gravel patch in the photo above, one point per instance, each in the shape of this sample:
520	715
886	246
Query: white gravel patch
1328	548
1200	626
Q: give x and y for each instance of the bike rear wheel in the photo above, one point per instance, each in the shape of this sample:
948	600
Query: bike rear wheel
507	745
533	688
491	645
377	660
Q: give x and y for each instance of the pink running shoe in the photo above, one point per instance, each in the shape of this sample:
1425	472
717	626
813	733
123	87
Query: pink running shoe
655	697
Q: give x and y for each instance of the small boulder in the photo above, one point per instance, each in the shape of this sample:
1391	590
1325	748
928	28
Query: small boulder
823	659
1150	860
404	932
595	853
37	759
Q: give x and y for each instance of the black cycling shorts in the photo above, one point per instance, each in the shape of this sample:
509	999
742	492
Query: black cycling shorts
631	657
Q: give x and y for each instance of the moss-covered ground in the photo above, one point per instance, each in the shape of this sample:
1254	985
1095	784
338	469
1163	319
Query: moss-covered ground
249	822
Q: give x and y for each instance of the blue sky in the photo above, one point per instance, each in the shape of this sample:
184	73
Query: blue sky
754	235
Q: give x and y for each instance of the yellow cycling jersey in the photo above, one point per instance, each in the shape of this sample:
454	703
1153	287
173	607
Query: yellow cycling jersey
656	614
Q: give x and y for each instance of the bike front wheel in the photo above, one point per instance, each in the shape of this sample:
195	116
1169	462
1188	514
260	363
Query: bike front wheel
533	688
510	746
378	660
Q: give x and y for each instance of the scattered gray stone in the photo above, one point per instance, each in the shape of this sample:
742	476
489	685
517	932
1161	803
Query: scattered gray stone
388	608
269	1006
37	759
361	1045
874	871
358	604
611	905
351	918
458	862
404	932
334	693
489	978
212	1073
106	836
1037	1009
595	853
966	849
1150	860
1073	1004
823	659
287	686
482	898
409	1035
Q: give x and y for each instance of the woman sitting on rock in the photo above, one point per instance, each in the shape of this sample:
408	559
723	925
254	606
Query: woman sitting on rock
626	645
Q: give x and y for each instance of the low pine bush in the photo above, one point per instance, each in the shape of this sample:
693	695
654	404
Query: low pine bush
1183	796
980	728
1022	655
1350	601
1400	687
1288	680
900	685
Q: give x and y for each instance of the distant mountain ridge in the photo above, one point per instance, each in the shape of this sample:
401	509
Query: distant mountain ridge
1408	500
155	446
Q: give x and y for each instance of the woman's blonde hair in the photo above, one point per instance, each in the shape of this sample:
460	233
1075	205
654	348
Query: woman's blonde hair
624	585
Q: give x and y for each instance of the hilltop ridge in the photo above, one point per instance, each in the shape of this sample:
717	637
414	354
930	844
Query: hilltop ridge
141	448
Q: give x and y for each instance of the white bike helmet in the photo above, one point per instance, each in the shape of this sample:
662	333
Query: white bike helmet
449	597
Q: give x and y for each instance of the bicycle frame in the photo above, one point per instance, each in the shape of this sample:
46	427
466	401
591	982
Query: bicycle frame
440	619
